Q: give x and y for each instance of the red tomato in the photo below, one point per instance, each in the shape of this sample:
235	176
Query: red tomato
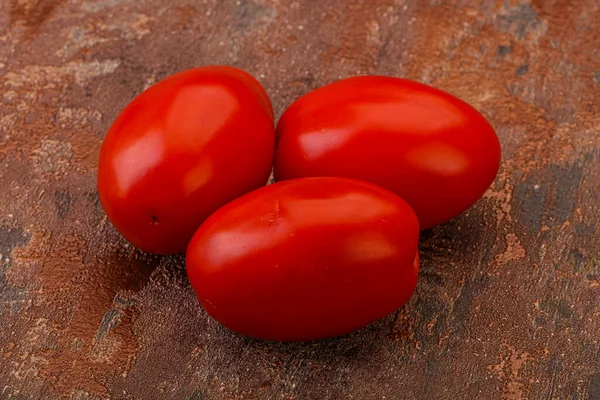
306	259
432	149
181	150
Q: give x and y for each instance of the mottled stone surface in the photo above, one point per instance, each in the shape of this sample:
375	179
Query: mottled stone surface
508	304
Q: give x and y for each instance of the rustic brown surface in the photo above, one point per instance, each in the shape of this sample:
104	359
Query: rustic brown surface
508	304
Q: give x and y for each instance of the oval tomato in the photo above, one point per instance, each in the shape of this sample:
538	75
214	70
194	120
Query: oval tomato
432	149
182	149
306	259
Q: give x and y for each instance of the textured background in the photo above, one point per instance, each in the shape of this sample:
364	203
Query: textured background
508	302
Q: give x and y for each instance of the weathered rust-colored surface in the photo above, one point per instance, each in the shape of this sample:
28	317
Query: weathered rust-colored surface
508	305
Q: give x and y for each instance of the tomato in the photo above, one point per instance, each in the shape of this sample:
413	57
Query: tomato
182	149
432	149
306	259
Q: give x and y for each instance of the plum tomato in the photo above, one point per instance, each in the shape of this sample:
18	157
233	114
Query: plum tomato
182	149
435	151
306	259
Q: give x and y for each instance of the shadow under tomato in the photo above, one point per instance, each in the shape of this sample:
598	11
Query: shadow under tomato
454	258
311	368
450	256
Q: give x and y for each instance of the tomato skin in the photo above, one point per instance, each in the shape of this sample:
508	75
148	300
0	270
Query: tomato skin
435	151
306	259
182	149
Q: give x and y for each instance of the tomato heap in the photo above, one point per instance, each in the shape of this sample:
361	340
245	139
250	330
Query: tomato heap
361	166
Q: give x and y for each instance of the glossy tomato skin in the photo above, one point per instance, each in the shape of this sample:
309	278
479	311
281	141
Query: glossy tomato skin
306	259
435	151
182	149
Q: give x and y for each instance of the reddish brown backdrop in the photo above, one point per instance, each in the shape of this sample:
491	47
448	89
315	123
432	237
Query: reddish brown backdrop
508	303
